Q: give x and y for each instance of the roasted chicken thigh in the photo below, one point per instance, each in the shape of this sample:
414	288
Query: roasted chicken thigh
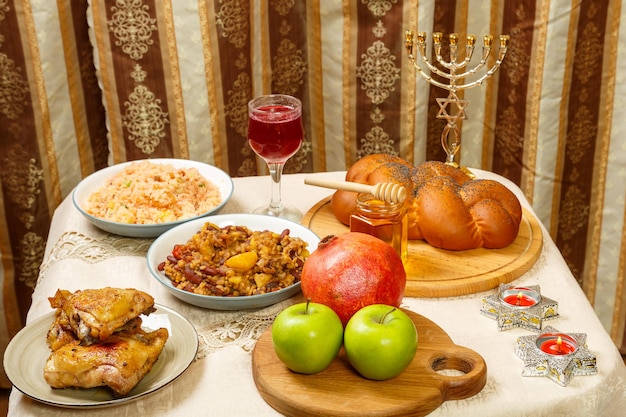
94	314
119	362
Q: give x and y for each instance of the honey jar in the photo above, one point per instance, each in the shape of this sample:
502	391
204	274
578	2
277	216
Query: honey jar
384	220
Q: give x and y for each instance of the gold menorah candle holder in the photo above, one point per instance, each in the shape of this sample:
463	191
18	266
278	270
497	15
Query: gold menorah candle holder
454	72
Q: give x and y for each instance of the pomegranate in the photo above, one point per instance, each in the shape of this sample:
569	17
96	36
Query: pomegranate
352	270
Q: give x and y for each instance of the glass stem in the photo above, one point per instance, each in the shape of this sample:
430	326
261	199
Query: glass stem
276	172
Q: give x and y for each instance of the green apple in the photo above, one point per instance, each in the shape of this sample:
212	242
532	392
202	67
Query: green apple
307	337
380	341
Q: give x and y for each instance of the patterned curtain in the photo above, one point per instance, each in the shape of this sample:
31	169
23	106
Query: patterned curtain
52	133
182	90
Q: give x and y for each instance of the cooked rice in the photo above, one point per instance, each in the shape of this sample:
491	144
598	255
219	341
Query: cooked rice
150	193
235	261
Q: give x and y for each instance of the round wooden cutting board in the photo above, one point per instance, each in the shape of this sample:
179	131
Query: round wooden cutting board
434	272
439	372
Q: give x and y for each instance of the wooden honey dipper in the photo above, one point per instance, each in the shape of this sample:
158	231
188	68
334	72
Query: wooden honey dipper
388	192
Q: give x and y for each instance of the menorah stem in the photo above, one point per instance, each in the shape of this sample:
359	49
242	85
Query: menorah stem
452	147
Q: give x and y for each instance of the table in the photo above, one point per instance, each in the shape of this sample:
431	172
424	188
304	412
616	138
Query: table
219	382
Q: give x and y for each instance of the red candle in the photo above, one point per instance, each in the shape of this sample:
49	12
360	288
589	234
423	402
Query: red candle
520	297
556	344
520	300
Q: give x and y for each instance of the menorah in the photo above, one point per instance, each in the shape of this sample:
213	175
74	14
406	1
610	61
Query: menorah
456	81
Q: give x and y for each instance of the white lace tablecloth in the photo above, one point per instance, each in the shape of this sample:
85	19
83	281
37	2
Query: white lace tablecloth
219	382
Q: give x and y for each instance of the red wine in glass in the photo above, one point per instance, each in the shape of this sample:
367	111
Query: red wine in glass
275	134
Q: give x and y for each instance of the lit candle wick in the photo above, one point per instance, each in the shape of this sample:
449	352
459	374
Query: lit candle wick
558	344
519	298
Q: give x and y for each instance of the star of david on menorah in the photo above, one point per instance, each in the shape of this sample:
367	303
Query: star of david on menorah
449	70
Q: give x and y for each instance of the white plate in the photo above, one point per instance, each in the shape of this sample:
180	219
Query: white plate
162	247
98	179
26	355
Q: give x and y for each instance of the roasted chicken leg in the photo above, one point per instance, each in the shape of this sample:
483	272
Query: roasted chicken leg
119	362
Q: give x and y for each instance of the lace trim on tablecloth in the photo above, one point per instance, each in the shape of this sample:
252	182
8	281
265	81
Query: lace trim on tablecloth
73	245
242	331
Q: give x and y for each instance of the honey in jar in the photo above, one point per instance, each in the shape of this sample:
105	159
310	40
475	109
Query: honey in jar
384	220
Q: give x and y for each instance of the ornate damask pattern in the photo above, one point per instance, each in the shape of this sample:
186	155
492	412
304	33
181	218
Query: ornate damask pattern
233	18
379	7
584	112
290	67
4	7
377	72
35	148
22	178
134	30
232	26
22	181
132	27
512	90
144	119
25	207
291	63
443	21
132	70
23	197
13	89
282	7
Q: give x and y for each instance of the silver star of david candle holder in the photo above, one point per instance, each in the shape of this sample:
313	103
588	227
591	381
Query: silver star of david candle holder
556	355
519	306
455	72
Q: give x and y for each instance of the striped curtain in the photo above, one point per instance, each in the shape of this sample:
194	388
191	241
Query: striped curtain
52	133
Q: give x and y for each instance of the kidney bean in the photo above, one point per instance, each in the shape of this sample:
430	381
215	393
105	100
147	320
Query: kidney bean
191	276
209	270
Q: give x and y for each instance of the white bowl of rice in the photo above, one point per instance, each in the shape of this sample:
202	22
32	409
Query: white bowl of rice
144	198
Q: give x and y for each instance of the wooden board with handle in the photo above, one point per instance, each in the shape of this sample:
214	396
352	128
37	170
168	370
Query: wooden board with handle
434	272
340	391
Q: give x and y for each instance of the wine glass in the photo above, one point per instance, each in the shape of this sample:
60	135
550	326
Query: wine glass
275	134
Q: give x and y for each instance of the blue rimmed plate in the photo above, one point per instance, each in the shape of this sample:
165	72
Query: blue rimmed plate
25	370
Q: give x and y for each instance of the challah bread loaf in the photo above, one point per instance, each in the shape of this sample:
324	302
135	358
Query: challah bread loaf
424	172
446	208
